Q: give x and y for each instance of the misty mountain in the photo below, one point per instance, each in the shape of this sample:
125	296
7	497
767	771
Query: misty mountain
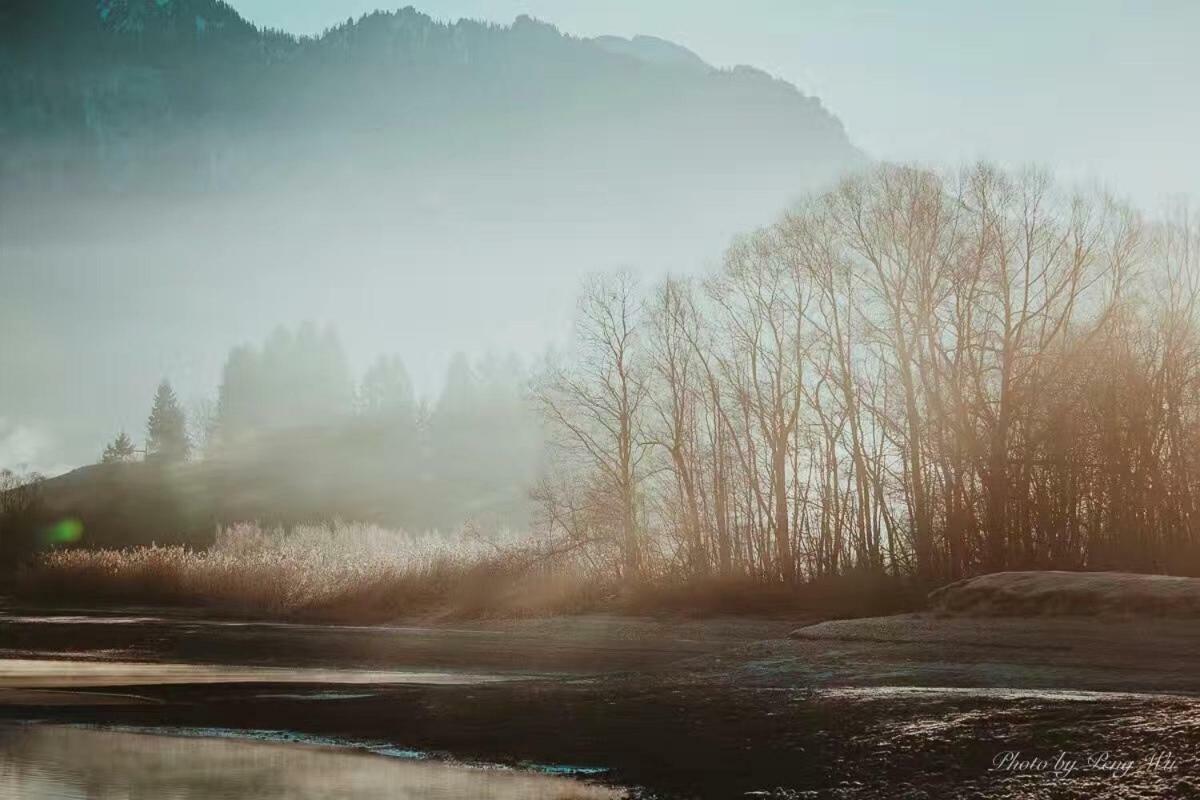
184	94
653	50
165	166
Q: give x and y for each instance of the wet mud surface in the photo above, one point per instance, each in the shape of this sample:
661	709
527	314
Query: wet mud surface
695	739
701	715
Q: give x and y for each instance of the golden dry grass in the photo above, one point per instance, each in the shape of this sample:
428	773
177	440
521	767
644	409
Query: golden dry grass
345	572
356	573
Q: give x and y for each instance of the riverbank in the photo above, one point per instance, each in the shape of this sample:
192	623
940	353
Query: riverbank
908	706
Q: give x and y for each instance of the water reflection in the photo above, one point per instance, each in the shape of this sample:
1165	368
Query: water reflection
38	762
29	673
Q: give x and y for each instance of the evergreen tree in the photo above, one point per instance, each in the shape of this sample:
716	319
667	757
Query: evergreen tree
293	380
459	397
240	403
167	428
386	390
119	451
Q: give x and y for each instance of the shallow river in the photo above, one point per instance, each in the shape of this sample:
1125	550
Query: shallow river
158	706
58	761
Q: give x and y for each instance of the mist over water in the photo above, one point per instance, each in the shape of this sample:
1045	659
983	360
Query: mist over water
64	762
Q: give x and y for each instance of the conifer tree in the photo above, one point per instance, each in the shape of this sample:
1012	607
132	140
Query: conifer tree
166	429
119	451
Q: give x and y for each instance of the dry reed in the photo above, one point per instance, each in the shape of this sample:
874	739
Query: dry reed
344	572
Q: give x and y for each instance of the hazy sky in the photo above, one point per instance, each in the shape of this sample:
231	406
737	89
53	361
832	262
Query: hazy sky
1103	90
1098	90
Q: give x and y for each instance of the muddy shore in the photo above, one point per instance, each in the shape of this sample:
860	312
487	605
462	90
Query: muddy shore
899	707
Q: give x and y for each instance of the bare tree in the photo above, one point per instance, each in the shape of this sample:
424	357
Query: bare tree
595	405
676	404
918	373
762	297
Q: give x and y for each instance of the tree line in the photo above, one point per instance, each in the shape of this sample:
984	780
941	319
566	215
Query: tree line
293	430
916	373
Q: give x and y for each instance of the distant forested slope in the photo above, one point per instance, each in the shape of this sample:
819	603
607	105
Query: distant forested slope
175	181
186	94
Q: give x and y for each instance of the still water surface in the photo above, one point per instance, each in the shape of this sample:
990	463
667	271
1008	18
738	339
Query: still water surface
38	762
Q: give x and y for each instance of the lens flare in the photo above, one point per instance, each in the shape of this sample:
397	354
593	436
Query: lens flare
66	531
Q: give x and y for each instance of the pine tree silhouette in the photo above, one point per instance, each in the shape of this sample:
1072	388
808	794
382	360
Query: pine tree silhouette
119	451
166	429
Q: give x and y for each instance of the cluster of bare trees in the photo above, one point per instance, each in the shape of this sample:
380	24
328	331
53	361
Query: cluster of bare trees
915	373
21	510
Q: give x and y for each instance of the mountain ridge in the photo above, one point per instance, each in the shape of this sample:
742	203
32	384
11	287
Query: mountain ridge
217	179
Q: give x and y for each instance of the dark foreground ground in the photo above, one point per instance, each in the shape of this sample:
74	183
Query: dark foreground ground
901	707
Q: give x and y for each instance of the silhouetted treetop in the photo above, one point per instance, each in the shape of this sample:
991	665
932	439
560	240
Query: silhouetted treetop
119	451
294	379
386	390
166	429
